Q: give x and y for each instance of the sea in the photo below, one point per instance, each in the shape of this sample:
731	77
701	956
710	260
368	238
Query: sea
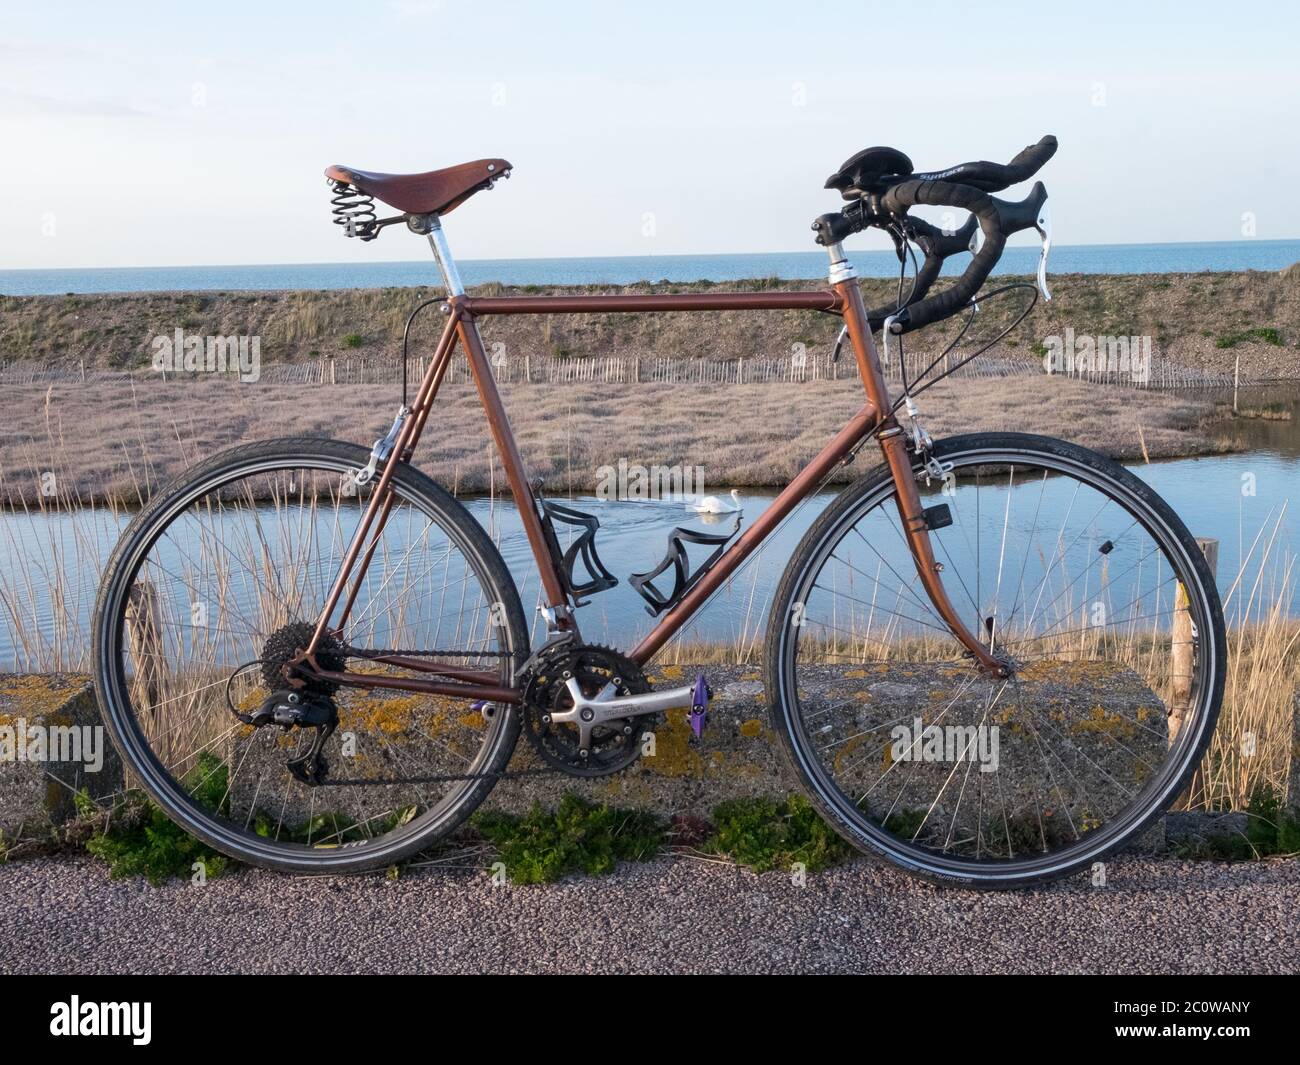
1267	255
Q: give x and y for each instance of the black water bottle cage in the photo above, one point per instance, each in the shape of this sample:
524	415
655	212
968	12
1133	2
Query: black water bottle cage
583	546
683	579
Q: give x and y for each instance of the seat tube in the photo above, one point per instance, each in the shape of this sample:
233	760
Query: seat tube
498	422
504	438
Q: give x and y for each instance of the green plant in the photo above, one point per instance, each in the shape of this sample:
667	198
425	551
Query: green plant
905	823
330	828
142	841
764	833
1267	335
577	836
1271	829
353	340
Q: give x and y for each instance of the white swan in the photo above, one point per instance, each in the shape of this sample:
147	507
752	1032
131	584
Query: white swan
714	505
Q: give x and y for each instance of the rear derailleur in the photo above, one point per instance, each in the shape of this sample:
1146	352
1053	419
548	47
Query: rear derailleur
297	699
291	709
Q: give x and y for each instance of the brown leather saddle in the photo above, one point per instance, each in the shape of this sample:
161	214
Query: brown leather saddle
436	192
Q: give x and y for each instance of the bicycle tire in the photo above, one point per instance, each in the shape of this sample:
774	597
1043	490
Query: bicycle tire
111	685
782	689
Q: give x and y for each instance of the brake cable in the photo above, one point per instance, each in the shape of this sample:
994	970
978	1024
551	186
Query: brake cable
899	302
979	351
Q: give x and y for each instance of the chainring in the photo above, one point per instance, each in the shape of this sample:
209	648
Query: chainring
616	744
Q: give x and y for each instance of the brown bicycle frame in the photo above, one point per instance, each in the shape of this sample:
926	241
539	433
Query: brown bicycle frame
874	418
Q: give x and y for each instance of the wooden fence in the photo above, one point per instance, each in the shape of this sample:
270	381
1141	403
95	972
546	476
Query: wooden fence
633	369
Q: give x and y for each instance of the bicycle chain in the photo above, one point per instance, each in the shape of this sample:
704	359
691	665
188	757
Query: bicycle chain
381	652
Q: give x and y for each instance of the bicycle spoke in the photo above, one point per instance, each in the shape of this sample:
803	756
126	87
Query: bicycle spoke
1072	589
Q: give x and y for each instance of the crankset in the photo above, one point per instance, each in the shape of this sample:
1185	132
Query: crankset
586	707
564	721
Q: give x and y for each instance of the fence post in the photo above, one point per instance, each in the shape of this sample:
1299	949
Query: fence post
1181	643
142	629
1180	668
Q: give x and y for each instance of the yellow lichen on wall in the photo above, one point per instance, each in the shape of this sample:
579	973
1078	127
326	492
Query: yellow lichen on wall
675	755
37	695
1099	720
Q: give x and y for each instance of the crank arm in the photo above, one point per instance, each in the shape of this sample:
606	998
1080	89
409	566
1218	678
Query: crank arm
586	713
611	708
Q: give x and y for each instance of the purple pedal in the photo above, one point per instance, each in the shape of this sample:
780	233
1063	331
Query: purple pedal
699	715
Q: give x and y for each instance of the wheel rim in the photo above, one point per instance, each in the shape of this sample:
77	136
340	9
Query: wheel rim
1078	737
224	564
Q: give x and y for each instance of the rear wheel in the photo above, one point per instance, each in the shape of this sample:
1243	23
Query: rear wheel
1077	575
228	570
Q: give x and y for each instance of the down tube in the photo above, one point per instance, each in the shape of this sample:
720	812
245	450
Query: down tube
859	427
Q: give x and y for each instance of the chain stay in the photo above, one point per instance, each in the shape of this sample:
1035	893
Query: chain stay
440	778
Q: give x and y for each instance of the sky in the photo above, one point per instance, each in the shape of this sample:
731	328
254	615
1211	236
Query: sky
140	134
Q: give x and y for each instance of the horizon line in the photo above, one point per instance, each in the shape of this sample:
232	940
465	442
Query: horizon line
613	258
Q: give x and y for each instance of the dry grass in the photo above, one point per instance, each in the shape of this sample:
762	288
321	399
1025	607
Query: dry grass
1252	747
118	440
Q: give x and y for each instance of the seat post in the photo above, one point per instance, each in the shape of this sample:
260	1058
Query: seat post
442	252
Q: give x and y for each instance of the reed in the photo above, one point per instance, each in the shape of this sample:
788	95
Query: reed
53	548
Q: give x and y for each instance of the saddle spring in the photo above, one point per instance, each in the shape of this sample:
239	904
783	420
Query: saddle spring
354	211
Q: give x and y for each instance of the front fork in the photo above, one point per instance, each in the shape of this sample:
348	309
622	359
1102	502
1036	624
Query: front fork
893	444
916	528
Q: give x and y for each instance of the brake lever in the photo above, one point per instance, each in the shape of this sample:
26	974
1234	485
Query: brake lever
1044	227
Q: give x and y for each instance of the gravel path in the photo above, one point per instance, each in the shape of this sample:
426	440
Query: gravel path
668	916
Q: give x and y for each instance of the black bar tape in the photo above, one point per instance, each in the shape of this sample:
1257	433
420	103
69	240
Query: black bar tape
937	246
945	194
993	177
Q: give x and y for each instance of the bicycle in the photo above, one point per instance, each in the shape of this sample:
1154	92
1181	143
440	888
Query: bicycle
992	660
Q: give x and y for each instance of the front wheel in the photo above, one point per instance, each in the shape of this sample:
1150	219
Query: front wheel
219	581
1076	575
